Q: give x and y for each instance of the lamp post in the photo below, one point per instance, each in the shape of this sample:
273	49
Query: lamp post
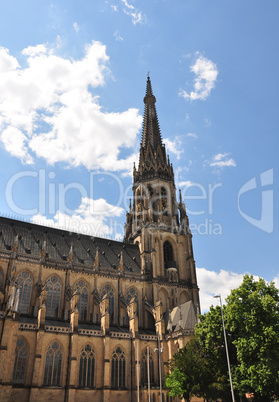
226	345
160	366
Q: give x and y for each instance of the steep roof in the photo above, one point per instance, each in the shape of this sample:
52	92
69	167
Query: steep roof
32	238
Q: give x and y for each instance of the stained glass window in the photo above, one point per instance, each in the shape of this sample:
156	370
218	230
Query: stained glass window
53	296
118	368
143	368
24	284
53	365
20	364
107	289
82	288
87	367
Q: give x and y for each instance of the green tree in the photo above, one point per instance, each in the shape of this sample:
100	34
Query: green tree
251	318
252	321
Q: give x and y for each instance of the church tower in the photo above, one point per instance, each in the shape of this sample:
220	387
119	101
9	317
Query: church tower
156	221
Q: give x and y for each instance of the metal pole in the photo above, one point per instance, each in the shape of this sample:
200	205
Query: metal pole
226	346
148	374
160	367
138	390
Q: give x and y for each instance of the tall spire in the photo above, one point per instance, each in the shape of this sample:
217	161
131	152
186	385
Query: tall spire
151	130
153	161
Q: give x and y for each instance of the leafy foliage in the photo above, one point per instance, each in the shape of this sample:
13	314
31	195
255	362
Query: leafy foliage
251	318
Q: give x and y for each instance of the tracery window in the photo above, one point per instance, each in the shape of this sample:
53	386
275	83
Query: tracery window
82	288
53	365
87	367
118	368
53	296
24	284
143	368
168	253
107	289
20	364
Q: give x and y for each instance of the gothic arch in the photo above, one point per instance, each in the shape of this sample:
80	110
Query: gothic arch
119	361
53	364
87	366
163	296
169	252
184	297
83	288
54	295
20	360
24	282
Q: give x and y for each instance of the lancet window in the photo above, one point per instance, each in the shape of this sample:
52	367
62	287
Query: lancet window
53	296
53	365
168	254
118	368
82	288
87	367
144	367
24	284
20	363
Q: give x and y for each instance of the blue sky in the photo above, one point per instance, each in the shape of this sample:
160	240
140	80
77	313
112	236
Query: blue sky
72	82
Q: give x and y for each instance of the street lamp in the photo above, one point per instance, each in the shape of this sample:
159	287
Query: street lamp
226	345
160	366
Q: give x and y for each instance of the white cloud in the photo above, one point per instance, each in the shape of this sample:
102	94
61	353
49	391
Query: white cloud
212	283
137	16
186	183
76	27
115	8
192	135
174	146
206	75
94	217
221	161
117	36
48	110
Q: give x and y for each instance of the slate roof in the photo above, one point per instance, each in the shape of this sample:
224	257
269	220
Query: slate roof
183	317
31	238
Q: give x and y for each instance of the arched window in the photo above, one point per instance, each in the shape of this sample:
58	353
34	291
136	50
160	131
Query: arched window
53	296
24	284
118	368
168	254
87	367
20	364
107	290
53	365
164	200
82	288
129	296
143	368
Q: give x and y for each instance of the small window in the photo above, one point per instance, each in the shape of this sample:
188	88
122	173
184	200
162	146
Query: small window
53	365
118	368
20	364
87	367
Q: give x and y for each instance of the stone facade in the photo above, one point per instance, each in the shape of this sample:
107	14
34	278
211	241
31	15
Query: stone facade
81	316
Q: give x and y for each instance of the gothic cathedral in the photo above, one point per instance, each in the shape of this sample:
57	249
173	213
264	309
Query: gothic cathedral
85	318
